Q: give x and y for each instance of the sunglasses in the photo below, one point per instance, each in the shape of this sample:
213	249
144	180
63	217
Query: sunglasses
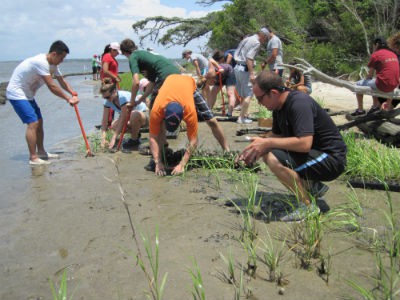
261	97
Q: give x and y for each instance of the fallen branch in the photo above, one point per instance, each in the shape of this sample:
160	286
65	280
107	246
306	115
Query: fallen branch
307	68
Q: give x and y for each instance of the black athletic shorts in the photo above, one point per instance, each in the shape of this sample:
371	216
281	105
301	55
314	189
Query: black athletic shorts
315	165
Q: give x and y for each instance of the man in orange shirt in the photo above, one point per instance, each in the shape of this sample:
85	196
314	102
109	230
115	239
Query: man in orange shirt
176	102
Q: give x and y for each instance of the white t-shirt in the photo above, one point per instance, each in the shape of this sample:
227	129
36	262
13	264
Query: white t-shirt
248	49
275	43
203	62
27	77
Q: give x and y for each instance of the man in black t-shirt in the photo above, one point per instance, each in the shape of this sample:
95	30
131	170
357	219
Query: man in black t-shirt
304	147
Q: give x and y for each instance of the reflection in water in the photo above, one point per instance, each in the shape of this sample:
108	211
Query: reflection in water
38	171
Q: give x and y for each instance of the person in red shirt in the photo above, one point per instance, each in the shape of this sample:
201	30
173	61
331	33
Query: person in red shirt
385	64
109	65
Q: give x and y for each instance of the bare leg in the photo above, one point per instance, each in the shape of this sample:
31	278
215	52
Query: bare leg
230	90
375	102
40	138
213	96
31	139
218	133
245	107
287	177
137	121
360	104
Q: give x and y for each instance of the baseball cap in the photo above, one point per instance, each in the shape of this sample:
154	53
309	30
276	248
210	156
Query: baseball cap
186	51
265	31
173	116
142	84
115	46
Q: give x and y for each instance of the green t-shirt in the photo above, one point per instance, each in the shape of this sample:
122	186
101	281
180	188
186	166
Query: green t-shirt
155	67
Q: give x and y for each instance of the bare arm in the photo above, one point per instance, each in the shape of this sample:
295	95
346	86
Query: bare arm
66	86
261	146
56	90
104	124
250	64
271	59
148	91
155	151
135	89
196	65
106	71
188	153
229	58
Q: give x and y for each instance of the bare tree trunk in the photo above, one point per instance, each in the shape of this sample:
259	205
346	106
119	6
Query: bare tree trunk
352	9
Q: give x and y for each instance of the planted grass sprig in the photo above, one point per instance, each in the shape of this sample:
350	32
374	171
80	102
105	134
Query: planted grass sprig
61	294
62	291
305	240
272	256
197	290
345	217
387	259
156	288
95	141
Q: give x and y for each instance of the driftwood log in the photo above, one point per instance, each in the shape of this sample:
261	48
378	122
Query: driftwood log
307	68
383	125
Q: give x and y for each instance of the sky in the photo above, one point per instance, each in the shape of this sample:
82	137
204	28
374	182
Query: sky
29	27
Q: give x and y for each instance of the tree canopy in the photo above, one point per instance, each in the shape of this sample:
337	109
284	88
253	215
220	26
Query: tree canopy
334	35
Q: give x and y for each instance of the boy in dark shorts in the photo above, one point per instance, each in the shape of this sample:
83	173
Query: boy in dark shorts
304	147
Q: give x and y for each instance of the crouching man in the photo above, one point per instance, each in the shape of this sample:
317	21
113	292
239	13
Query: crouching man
304	147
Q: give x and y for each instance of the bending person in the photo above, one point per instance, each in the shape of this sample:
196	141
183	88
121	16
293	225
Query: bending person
304	147
26	79
117	100
176	101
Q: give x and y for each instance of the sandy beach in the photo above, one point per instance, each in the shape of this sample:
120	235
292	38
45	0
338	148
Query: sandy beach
74	219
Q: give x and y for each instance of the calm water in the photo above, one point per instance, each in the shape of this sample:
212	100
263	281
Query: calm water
17	178
69	66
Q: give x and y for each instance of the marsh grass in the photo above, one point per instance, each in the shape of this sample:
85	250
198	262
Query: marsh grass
61	294
305	239
262	112
368	159
95	141
345	217
386	252
197	290
272	257
156	286
230	276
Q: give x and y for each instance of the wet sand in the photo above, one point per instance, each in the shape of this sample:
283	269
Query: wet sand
74	219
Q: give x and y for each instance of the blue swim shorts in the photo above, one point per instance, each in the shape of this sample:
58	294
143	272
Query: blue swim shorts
27	110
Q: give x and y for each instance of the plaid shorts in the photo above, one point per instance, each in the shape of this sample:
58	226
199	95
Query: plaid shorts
204	113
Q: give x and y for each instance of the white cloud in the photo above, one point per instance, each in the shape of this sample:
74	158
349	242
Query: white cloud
29	27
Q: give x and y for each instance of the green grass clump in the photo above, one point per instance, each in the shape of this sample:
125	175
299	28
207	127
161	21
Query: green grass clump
126	81
370	160
262	112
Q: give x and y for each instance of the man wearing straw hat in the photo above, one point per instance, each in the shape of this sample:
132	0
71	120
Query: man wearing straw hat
26	79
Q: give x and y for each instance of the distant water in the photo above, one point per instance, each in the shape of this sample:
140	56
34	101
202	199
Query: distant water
69	66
